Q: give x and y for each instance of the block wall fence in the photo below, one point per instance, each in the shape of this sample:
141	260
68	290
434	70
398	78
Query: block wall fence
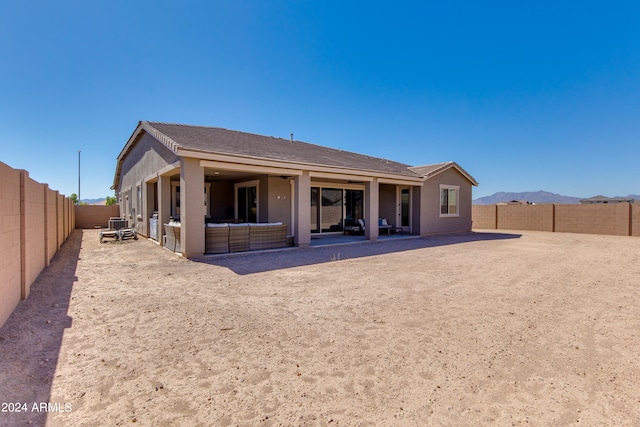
617	219
34	223
95	216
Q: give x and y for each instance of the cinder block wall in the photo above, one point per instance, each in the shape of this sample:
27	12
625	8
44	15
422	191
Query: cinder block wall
52	230
525	217
10	265
95	216
635	220
33	226
611	219
484	216
34	233
619	219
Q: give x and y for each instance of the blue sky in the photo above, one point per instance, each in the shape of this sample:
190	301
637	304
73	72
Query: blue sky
524	95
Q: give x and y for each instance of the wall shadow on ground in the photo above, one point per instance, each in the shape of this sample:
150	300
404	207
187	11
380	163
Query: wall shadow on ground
259	262
28	356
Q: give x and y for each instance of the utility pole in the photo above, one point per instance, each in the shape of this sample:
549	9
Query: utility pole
78	176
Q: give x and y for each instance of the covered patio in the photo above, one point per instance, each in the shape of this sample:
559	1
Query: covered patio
314	208
206	183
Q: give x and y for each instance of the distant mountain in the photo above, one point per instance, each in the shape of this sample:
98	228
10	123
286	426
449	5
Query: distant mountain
529	196
95	201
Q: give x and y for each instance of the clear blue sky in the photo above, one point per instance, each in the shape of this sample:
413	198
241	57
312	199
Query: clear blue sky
526	95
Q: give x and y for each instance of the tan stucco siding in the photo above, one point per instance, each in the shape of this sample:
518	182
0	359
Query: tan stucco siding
279	207
388	203
430	220
145	159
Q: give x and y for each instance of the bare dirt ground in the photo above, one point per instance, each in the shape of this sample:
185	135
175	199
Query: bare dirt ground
482	329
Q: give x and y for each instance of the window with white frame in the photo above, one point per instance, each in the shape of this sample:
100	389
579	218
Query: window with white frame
449	198
175	199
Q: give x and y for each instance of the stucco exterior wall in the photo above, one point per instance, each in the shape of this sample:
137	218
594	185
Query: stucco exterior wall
222	200
430	220
30	224
416	197
388	203
279	194
145	158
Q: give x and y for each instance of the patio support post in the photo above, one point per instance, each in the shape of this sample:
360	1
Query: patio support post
371	209
192	209
164	204
302	200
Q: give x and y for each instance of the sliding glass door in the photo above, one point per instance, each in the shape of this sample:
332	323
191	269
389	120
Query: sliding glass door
333	208
354	206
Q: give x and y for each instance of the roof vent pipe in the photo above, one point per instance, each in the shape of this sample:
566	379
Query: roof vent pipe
291	136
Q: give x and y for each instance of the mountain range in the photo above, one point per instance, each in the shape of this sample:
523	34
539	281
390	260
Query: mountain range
533	197
101	201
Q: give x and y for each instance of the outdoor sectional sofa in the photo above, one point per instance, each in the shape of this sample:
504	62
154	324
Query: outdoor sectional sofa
224	238
172	237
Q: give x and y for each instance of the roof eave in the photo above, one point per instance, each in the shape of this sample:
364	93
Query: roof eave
316	167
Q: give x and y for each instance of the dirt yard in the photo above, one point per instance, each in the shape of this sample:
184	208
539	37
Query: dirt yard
524	328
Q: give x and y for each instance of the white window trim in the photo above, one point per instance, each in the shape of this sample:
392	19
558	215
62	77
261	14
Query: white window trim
337	186
175	212
449	187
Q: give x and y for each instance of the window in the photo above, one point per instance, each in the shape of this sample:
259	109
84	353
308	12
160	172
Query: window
449	200
175	199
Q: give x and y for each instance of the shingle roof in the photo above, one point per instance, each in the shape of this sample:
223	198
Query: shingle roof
603	199
428	171
223	141
219	140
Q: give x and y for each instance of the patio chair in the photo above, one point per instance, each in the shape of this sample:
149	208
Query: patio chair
110	234
384	225
128	233
353	229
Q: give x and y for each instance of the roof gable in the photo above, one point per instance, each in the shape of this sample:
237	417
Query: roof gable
429	171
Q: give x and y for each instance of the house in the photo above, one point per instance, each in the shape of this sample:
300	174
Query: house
596	200
195	174
515	202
